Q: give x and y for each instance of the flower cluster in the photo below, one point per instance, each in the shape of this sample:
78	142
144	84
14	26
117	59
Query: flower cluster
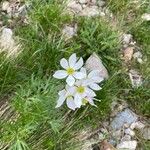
80	86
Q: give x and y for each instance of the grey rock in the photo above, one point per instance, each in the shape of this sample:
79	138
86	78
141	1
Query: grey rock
146	133
95	63
129	145
126	138
75	7
126	38
126	116
130	132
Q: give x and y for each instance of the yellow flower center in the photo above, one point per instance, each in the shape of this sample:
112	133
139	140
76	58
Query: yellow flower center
84	101
70	71
80	89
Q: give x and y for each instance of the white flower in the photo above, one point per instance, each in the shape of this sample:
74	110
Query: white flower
82	92
67	94
92	79
70	71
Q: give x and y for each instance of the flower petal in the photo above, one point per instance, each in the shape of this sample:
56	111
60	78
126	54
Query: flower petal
72	60
60	74
79	75
90	93
70	80
90	100
70	103
93	73
78	100
62	92
97	79
79	64
83	70
64	63
60	101
95	87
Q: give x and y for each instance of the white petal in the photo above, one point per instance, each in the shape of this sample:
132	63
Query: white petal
79	75
79	64
83	70
95	86
64	63
90	100
72	60
90	93
60	74
71	104
60	101
93	73
97	79
78	100
70	80
62	92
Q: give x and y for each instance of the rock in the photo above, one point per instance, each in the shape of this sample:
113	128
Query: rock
137	125
146	133
7	43
101	3
90	11
130	132
126	38
69	31
138	56
126	138
128	53
83	1
136	79
75	7
104	145
117	134
5	5
146	17
95	63
129	145
126	116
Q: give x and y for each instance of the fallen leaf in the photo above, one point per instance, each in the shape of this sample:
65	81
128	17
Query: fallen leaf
128	53
104	145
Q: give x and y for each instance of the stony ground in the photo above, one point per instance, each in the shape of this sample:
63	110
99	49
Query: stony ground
111	36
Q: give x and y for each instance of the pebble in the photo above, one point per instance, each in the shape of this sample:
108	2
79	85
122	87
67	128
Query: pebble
130	145
126	138
91	11
126	38
126	116
137	125
5	5
69	31
130	132
146	133
128	53
146	17
83	1
75	7
136	78
95	63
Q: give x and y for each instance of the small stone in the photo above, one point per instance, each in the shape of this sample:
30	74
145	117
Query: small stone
126	138
126	116
126	125
137	55
130	145
132	126
101	3
95	63
90	11
75	7
126	38
104	145
146	17
5	5
128	53
146	133
83	1
130	132
139	125
117	134
69	31
136	79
